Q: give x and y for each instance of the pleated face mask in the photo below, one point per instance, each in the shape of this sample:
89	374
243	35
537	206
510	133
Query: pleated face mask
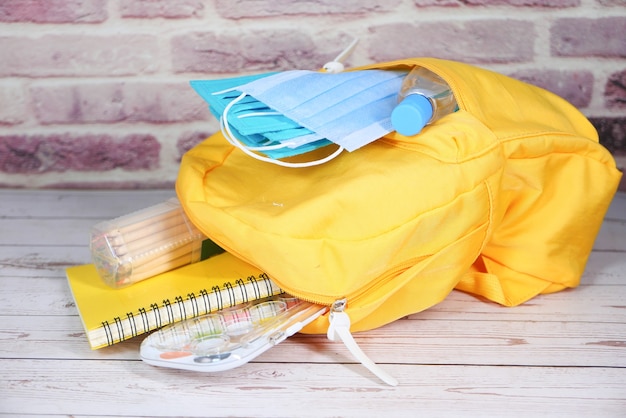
251	125
293	112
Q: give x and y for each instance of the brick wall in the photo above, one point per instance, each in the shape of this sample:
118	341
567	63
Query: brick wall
94	93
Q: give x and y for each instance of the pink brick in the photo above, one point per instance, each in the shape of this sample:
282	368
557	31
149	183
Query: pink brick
35	154
234	51
78	55
524	3
188	140
615	91
53	11
236	9
163	103
161	8
581	37
612	2
478	41
574	86
111	102
12	104
612	133
110	183
438	3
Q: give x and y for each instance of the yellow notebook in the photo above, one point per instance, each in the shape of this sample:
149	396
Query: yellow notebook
112	315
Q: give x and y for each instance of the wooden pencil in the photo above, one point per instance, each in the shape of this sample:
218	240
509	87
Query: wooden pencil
145	243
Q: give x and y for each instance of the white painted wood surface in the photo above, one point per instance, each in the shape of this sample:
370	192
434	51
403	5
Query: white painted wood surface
558	355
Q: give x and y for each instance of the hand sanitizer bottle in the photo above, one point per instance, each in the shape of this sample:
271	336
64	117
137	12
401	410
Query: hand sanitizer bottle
424	98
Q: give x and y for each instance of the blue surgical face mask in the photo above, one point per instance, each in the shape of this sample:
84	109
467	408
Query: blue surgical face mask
293	112
252	123
350	109
281	137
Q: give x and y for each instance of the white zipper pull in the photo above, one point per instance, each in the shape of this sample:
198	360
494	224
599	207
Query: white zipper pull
339	328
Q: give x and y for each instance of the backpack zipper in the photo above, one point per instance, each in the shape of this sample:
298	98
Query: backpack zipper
339	320
339	328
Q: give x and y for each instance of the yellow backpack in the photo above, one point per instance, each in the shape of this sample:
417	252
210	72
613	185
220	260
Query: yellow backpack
502	199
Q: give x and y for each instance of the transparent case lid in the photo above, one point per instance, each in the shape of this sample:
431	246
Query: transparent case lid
142	244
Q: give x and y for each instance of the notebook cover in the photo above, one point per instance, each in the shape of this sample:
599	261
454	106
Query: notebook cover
112	315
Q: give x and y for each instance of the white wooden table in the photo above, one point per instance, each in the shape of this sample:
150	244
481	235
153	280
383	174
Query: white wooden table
558	355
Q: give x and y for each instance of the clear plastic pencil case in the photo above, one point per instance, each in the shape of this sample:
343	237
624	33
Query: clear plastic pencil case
228	338
142	244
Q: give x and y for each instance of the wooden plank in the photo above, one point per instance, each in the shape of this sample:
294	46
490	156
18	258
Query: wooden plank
603	268
463	357
46	231
52	296
118	388
617	210
74	228
612	236
41	261
56	337
93	204
38	296
111	203
37	218
584	304
519	343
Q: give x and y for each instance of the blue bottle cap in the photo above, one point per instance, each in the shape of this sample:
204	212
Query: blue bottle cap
412	114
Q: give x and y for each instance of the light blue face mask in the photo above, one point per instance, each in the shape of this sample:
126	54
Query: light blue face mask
350	109
252	123
293	112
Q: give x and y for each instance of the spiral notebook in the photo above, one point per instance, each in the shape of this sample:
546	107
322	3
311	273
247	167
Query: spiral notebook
113	315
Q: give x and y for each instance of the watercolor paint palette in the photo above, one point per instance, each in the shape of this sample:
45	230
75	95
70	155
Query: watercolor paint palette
228	338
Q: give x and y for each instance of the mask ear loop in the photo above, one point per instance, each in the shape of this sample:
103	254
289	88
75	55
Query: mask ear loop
336	66
236	100
230	137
